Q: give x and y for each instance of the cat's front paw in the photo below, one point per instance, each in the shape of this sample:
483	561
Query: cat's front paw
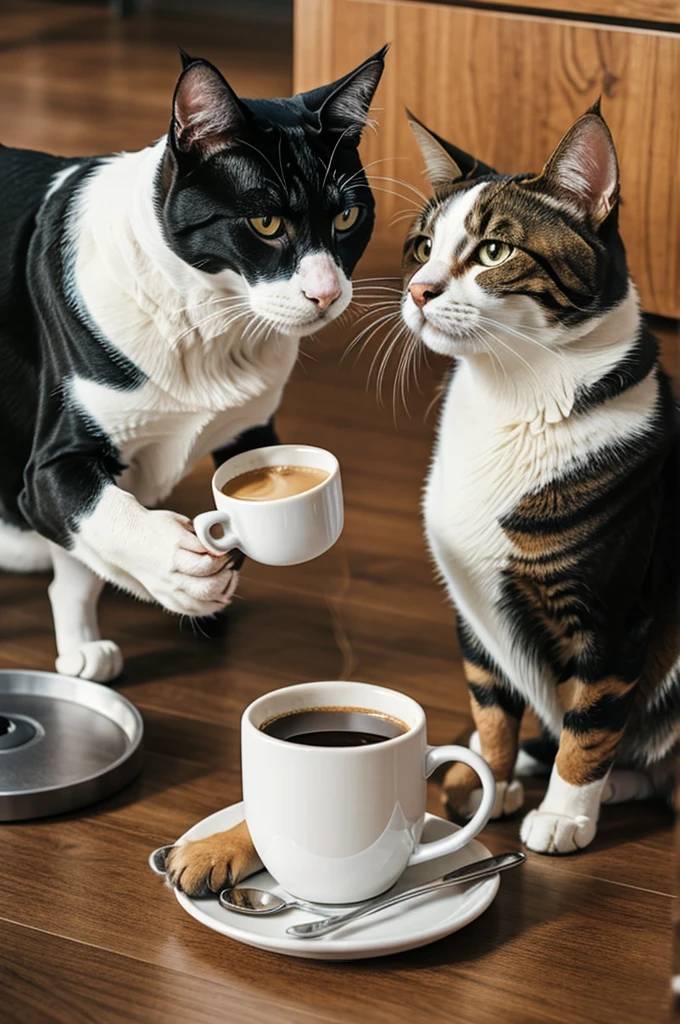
509	799
174	568
97	660
547	832
202	867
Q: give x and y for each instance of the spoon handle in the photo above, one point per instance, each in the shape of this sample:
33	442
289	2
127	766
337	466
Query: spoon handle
479	869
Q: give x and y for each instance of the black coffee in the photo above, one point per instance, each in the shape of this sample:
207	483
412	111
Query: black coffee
335	727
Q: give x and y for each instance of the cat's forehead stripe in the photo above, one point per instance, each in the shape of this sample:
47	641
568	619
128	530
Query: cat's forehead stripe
452	235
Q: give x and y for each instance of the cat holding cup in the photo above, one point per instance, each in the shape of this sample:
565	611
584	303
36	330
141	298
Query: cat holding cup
151	313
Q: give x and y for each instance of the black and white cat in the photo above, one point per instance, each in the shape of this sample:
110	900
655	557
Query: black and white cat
151	307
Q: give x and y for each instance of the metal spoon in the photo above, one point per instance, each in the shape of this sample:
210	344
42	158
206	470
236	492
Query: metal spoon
479	869
246	900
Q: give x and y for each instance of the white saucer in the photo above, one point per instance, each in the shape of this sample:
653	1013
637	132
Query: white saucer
406	926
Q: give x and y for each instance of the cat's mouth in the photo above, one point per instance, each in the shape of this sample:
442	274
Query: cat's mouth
300	322
297	325
444	329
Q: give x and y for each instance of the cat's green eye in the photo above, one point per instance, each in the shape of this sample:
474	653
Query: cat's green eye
492	254
422	249
347	219
268	226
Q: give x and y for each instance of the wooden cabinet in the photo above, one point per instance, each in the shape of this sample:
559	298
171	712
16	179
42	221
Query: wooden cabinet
506	86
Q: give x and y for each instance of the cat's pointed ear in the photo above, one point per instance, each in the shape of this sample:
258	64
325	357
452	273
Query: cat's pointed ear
342	107
185	58
206	112
584	169
444	162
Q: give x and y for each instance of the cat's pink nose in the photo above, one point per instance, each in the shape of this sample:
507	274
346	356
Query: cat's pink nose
423	293
319	280
323	297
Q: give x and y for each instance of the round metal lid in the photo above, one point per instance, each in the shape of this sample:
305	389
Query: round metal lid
64	743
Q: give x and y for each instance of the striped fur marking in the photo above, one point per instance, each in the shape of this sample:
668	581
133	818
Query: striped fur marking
497	714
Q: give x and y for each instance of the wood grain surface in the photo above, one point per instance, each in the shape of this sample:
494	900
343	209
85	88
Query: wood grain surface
506	87
87	933
663	12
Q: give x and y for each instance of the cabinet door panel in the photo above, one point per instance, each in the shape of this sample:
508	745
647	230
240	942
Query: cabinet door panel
506	87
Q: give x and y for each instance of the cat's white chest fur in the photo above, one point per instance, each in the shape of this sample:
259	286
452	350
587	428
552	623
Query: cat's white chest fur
479	471
485	461
160	439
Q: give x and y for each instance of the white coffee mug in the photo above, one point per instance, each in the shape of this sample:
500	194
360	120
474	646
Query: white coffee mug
340	824
282	531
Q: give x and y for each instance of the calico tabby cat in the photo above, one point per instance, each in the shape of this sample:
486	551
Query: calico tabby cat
552	507
151	307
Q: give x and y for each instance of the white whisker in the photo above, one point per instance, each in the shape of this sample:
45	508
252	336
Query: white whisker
242	142
382	160
524	337
402	215
368	333
379	355
398	181
512	352
390	344
373	288
210	302
379	305
495	358
379	308
362	280
349	128
391	192
209	319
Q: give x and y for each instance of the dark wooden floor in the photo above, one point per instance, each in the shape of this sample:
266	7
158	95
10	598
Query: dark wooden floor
86	932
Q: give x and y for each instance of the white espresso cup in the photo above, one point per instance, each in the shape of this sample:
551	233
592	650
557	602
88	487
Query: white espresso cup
340	824
281	531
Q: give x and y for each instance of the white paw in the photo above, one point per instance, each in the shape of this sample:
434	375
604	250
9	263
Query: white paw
547	832
509	798
98	660
179	572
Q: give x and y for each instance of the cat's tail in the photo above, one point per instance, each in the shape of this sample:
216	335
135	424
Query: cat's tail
22	550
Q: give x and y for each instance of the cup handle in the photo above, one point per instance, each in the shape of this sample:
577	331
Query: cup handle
434	756
204	523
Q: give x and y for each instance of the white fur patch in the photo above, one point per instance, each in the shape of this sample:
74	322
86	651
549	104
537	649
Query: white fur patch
59	179
22	550
566	821
564	798
154	555
73	595
509	799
